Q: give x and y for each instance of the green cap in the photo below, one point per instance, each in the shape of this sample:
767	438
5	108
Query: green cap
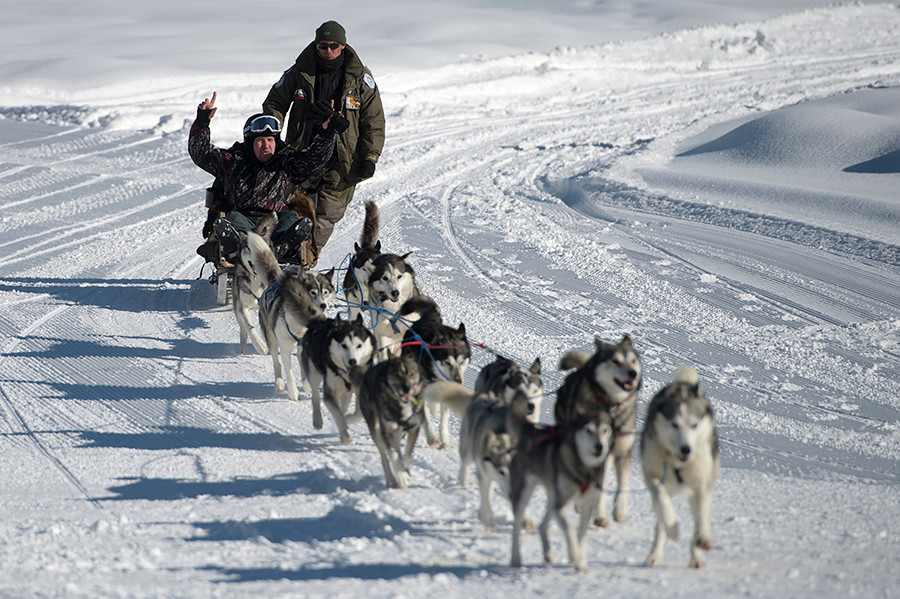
331	31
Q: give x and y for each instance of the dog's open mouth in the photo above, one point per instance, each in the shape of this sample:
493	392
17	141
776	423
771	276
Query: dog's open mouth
628	385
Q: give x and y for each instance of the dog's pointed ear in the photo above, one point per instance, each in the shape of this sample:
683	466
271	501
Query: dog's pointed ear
535	366
599	343
462	329
356	247
405	257
626	341
377	246
359	319
330	274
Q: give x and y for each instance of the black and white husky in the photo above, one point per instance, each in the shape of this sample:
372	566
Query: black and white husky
247	286
356	279
320	287
445	355
567	461
607	381
503	379
389	400
285	310
680	456
391	283
335	353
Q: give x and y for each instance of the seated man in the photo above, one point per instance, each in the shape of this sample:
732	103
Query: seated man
259	174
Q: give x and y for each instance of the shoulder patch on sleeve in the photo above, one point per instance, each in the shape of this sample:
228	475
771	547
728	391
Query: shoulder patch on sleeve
369	80
280	82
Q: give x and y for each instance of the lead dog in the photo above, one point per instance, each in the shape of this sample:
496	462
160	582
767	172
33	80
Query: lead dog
503	378
247	286
335	353
388	397
285	310
680	456
607	381
568	463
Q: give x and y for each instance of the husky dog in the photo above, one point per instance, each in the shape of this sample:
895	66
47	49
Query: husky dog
247	286
336	353
568	462
388	399
608	381
285	310
320	287
444	353
680	456
303	205
391	283
503	379
356	279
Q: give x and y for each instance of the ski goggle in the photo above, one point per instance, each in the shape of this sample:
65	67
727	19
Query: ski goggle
263	124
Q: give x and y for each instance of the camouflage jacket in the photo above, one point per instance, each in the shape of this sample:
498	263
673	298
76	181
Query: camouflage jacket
251	187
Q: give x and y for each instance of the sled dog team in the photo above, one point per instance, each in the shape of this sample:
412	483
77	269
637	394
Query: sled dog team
406	362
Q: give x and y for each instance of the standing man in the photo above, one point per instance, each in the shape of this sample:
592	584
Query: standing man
328	76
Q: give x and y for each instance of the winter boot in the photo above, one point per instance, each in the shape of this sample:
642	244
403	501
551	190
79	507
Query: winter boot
228	237
289	246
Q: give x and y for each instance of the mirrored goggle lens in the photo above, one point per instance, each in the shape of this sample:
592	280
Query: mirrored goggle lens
263	124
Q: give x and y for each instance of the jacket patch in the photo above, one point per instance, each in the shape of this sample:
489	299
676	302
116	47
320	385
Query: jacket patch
352	103
369	80
299	94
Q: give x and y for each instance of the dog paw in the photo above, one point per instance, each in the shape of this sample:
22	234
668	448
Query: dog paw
697	563
581	567
403	480
653	559
279	385
620	515
548	558
433	441
347	440
704	544
601	521
528	526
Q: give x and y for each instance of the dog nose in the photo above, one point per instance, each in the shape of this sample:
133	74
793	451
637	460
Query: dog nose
685	451
531	408
352	362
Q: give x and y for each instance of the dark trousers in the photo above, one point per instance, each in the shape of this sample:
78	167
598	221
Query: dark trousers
246	224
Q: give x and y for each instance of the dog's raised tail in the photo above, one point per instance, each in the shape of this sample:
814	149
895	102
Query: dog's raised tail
264	260
452	394
574	359
371	226
687	374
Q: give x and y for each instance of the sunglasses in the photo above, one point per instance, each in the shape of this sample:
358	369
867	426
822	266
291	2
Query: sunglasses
328	45
263	124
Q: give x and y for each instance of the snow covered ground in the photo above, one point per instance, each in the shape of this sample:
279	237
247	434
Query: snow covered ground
719	182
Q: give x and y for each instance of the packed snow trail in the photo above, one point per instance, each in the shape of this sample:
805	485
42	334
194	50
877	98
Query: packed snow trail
143	454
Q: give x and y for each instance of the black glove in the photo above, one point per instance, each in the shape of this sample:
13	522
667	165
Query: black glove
204	115
366	169
339	123
319	112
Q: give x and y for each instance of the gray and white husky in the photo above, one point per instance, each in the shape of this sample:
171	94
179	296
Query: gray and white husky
356	279
567	461
607	381
391	283
680	456
445	355
320	287
503	378
285	310
335	353
247	286
389	400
